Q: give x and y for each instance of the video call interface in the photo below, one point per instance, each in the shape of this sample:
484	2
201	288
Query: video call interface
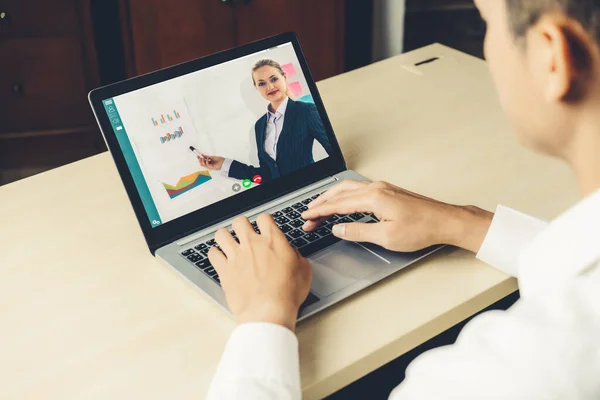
195	140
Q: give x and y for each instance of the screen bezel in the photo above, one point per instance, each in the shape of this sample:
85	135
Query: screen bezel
200	219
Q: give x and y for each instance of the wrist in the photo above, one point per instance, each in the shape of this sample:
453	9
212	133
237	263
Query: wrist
283	316
467	227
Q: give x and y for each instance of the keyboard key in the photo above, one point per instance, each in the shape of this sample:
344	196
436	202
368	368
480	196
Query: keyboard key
236	239
257	230
217	279
282	220
311	237
297	223
296	234
318	245
374	217
211	242
232	233
289	238
201	246
211	272
315	196
188	252
204	264
333	218
302	209
344	220
205	251
328	226
285	228
297	205
277	214
254	224
323	231
307	201
293	215
287	210
194	257
356	216
299	243
371	221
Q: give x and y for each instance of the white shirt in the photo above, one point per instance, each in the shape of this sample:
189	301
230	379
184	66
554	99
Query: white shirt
547	346
273	132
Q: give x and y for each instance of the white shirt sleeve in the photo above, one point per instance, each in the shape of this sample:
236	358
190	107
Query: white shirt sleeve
510	233
225	167
544	347
260	361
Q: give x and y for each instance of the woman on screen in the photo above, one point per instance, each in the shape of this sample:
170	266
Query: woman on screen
284	135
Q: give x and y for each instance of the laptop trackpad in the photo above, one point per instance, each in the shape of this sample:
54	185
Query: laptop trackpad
341	265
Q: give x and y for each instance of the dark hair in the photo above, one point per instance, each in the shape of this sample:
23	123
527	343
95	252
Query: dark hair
525	13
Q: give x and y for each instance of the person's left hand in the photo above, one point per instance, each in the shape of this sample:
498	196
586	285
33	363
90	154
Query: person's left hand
264	278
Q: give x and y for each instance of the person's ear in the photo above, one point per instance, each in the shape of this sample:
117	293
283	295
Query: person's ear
557	57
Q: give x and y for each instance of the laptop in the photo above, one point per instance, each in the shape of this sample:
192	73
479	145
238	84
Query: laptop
159	127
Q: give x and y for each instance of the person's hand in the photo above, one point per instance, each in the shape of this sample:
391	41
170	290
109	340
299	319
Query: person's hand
264	278
211	162
409	221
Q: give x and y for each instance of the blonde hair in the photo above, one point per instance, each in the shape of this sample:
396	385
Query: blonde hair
265	62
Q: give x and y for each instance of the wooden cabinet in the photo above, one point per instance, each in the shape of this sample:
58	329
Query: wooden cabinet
318	23
47	66
163	33
44	85
52	53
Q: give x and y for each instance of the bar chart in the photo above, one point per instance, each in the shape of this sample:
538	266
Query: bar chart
165	118
172	136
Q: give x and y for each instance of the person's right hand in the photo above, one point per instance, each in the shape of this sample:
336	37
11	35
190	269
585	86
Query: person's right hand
264	278
409	221
211	162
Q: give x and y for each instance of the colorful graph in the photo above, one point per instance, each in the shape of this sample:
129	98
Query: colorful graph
172	136
187	183
164	120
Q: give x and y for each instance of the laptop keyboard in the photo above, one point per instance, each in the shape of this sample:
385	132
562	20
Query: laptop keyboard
290	222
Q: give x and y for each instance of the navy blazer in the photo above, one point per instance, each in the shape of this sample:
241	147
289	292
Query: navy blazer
301	126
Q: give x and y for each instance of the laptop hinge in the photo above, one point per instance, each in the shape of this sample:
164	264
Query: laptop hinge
256	211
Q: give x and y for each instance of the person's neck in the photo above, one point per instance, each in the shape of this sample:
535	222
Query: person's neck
584	153
275	105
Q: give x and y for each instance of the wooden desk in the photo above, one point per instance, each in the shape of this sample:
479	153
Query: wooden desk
87	312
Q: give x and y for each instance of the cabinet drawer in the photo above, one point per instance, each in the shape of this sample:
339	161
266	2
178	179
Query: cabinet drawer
42	84
38	18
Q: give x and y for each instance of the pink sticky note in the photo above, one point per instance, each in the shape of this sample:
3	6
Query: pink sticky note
289	69
295	88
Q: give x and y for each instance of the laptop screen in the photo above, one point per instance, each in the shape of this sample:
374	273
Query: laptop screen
197	139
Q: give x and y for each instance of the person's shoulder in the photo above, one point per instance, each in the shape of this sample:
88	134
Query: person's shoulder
303	106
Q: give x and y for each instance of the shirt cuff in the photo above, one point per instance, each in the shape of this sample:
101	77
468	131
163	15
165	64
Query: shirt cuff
261	352
225	167
511	232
